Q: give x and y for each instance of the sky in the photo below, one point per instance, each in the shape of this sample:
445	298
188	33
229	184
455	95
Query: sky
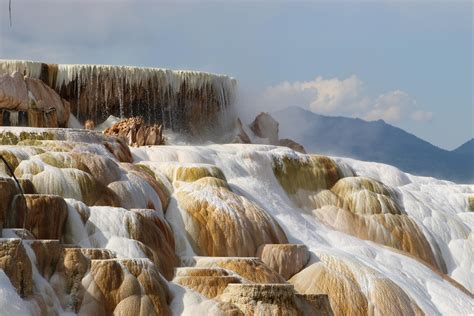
409	63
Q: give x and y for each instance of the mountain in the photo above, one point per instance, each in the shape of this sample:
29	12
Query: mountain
376	141
466	149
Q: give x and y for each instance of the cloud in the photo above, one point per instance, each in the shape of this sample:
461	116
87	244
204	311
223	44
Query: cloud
345	97
422	116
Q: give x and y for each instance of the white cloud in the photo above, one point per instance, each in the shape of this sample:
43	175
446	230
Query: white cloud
345	97
421	116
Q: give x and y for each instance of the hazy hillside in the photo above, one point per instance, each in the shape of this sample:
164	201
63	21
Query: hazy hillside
466	149
376	141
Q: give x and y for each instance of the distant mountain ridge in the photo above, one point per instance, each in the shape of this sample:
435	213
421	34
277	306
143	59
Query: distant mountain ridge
466	148
376	141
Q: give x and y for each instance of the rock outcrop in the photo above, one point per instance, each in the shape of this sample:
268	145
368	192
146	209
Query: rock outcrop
264	126
28	101
136	132
263	130
188	101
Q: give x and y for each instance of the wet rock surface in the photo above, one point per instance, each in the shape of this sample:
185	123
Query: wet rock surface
122	229
286	259
17	266
136	132
43	215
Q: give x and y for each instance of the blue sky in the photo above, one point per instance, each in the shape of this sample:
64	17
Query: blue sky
409	63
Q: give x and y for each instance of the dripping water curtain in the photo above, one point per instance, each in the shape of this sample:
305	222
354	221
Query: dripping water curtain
10	169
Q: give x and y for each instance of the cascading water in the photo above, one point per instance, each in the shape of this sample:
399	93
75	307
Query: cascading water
185	100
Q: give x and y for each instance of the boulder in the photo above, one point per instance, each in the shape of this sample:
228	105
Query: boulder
242	136
263	130
265	126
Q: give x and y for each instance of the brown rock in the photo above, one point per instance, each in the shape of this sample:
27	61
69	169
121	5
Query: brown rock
46	98
265	126
13	91
43	215
292	144
353	288
104	170
209	286
158	186
71	269
48	253
251	269
151	229
154	135
8	190
36	118
242	136
51	118
197	271
345	294
286	259
262	299
136	132
222	223
119	149
125	287
305	177
89	124
27	186
314	304
17	266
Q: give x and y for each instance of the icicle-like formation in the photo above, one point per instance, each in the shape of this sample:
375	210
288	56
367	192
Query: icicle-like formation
26	68
184	100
